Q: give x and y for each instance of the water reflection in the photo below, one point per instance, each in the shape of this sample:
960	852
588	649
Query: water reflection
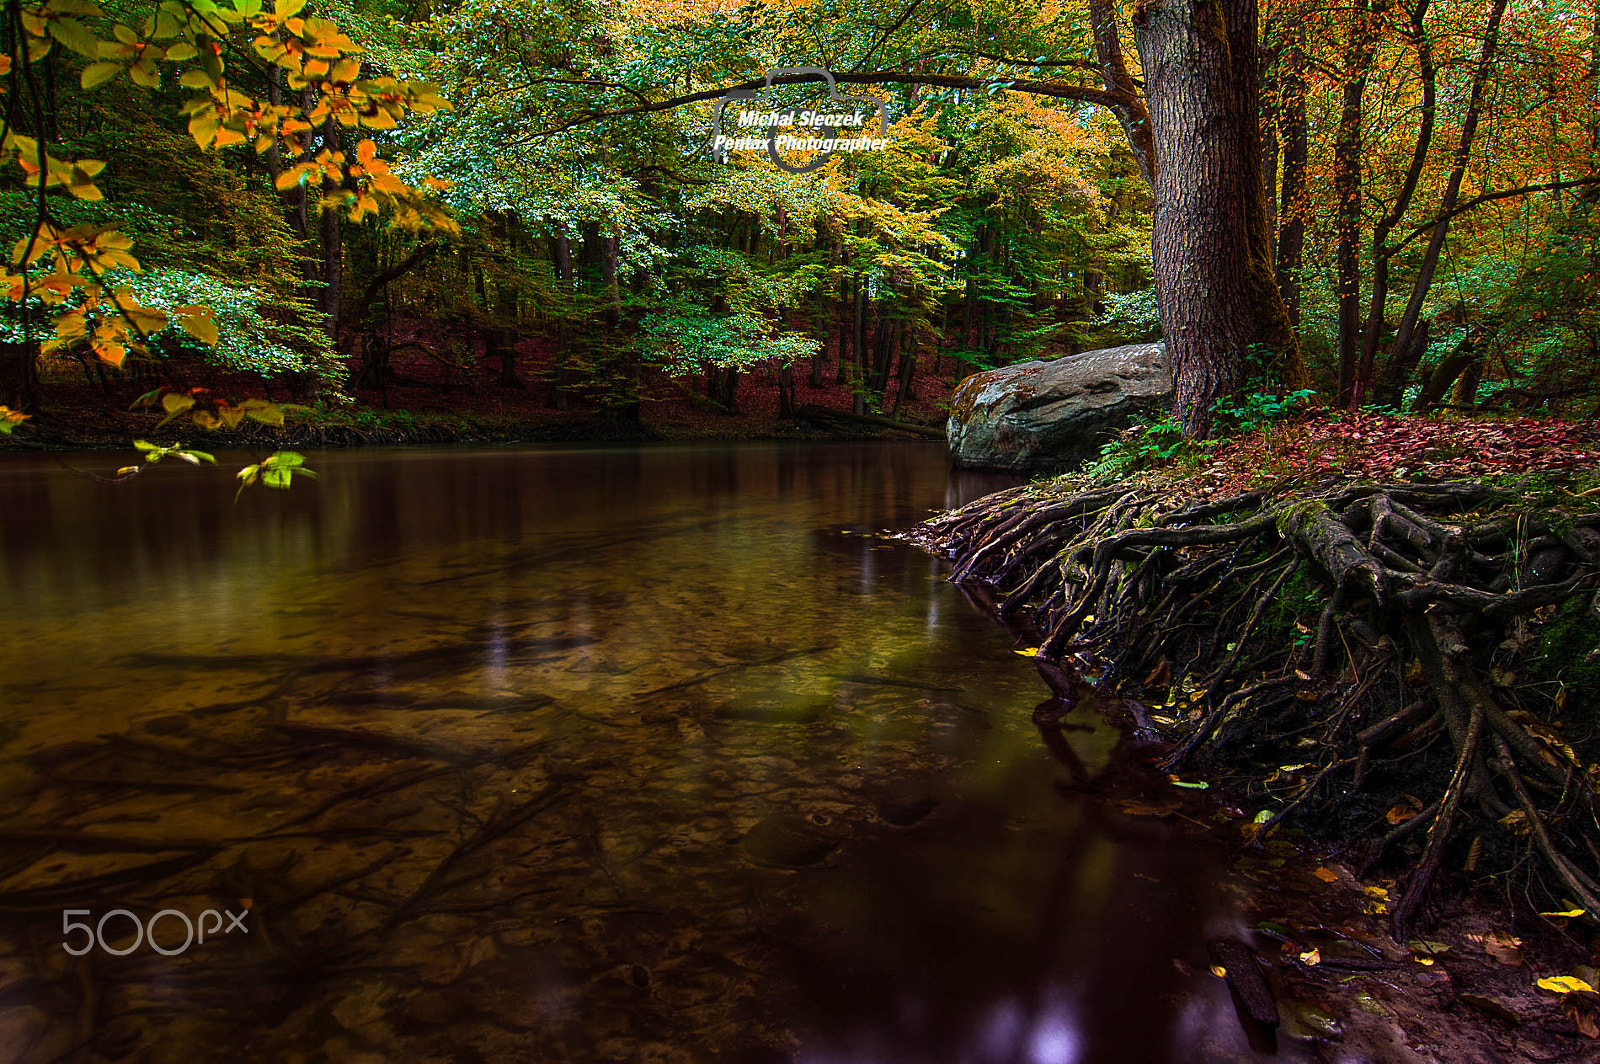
563	754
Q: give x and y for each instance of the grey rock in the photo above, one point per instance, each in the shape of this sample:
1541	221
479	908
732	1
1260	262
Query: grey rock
1056	414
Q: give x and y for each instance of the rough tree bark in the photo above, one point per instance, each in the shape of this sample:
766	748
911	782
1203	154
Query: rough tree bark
1221	313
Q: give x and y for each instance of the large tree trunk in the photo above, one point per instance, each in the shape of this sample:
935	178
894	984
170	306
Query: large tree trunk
1221	313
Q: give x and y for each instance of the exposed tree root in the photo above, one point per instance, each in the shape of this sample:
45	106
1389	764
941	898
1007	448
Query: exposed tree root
1346	650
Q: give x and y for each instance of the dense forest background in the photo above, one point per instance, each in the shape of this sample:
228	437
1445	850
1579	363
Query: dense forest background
561	237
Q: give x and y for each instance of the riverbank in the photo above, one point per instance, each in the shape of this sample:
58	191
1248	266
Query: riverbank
79	415
1368	634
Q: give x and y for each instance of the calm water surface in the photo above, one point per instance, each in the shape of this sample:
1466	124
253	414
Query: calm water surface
561	755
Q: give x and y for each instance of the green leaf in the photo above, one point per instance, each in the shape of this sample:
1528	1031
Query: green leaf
75	35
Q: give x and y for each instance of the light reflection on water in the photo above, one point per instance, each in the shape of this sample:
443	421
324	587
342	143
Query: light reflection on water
563	754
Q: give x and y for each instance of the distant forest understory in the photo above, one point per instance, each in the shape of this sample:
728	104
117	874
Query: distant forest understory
514	208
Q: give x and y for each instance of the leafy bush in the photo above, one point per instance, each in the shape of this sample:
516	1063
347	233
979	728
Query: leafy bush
1134	318
257	331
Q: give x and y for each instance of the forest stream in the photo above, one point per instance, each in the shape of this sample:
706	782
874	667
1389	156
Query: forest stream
652	754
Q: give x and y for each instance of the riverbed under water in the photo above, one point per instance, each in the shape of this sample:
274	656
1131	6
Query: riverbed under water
563	754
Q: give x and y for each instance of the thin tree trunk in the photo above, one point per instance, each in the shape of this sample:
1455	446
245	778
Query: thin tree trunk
507	308
821	315
858	350
1406	345
1358	55
908	369
847	302
563	263
1296	152
1398	370
332	242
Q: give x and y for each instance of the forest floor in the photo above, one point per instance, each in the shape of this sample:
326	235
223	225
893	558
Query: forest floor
1367	649
425	402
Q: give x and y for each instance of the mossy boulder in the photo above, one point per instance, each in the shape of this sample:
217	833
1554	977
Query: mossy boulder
1055	414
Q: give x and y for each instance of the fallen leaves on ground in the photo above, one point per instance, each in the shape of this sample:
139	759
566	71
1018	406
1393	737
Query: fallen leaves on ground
1563	984
1403	446
1502	946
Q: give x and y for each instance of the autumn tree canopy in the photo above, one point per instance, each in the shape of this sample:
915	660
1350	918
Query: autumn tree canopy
330	197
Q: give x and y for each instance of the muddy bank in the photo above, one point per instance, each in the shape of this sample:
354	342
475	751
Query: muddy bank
398	428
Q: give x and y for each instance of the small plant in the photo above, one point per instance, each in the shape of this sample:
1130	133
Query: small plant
1260	409
1147	444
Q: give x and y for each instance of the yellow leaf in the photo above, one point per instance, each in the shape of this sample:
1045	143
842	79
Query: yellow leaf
1311	957
1327	875
1028	652
143	74
1568	913
109	352
267	414
99	73
198	323
1504	948
1401	813
1564	984
1219	971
